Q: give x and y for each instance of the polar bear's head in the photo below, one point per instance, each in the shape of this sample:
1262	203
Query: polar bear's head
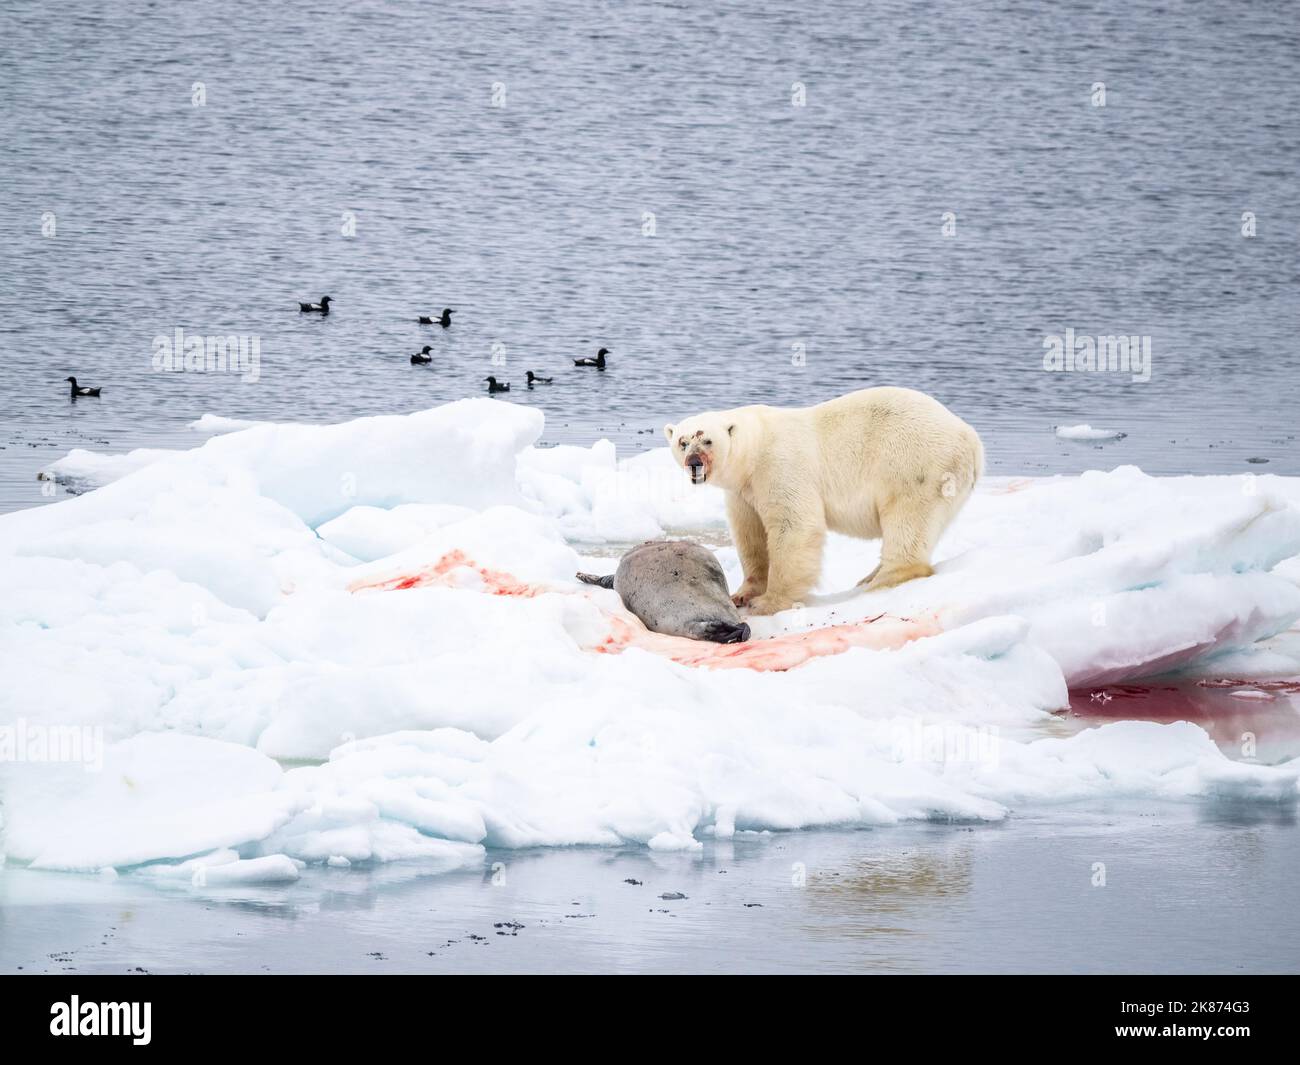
701	445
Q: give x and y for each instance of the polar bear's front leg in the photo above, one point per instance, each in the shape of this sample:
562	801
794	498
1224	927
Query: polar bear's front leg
751	545
795	538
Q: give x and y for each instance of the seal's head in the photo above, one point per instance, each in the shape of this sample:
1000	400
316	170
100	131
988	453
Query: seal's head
701	445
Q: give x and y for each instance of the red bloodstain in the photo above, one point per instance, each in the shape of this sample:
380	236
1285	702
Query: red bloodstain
442	574
773	654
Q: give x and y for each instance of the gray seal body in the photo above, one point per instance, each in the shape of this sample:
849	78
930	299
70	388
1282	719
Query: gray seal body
677	588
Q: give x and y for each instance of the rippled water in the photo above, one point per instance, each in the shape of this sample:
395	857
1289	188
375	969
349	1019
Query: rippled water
1022	896
775	225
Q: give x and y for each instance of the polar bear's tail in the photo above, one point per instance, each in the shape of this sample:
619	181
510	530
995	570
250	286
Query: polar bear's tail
966	469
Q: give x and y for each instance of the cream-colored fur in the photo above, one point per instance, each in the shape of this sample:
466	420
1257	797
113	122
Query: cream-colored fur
884	462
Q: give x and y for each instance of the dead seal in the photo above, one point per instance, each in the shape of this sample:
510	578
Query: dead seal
677	588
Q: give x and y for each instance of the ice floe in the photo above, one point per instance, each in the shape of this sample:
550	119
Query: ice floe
364	642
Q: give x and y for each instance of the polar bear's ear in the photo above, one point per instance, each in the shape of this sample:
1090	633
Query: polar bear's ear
668	432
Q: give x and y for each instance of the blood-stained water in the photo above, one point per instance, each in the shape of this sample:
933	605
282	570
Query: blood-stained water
1250	720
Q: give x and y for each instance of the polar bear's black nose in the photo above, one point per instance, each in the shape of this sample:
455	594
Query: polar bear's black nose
694	461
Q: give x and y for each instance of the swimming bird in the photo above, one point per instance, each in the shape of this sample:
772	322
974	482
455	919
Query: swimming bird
80	390
320	308
444	321
496	386
422	356
598	361
534	379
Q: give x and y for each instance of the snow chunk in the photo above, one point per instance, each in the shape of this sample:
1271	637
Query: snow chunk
80	470
596	499
1087	432
215	423
160	795
225	868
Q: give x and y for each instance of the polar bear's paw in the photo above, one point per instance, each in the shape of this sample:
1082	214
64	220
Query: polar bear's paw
769	604
883	577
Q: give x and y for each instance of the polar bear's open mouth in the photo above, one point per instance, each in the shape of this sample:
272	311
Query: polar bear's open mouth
697	463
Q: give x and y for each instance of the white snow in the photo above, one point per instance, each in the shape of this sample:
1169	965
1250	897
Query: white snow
226	614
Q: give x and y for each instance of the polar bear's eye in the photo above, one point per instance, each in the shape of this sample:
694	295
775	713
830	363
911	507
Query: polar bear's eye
708	443
683	443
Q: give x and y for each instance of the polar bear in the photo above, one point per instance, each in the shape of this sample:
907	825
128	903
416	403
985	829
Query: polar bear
883	462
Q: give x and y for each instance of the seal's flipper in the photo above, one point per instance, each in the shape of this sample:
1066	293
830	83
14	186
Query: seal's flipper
718	631
591	578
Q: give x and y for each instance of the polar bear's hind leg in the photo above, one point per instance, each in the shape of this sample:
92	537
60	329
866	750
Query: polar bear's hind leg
906	545
910	527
